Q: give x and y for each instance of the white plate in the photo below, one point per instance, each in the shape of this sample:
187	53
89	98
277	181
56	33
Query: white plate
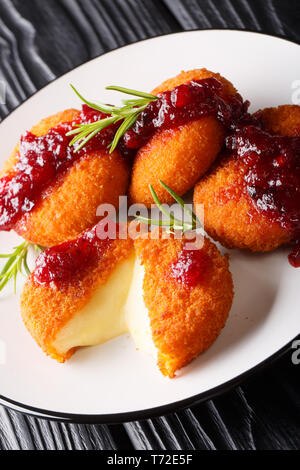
114	382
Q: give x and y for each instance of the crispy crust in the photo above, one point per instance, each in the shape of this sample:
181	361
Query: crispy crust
184	322
70	205
45	309
179	156
230	216
233	220
196	74
284	120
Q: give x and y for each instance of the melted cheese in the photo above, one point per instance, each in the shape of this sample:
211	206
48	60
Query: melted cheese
115	308
136	314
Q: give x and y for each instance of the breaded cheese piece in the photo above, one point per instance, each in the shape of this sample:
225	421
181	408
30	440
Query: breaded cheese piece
179	156
129	291
85	311
184	321
69	206
230	217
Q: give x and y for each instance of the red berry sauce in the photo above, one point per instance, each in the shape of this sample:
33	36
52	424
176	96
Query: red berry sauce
190	267
42	160
272	176
58	265
184	104
294	257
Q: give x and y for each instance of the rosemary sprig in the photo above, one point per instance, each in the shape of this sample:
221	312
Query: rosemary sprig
173	223
16	264
128	113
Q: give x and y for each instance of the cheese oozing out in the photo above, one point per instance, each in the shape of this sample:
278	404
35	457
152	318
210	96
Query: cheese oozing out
116	308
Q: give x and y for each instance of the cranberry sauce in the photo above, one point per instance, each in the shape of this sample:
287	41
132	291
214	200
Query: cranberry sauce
59	264
42	160
183	104
190	267
272	175
294	257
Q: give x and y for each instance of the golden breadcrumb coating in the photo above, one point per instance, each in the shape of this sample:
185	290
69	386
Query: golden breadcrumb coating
184	321
69	206
230	215
178	156
284	120
46	310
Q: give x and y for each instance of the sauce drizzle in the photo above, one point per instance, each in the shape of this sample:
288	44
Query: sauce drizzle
190	267
42	160
272	176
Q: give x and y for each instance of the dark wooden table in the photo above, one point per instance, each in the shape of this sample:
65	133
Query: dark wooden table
40	40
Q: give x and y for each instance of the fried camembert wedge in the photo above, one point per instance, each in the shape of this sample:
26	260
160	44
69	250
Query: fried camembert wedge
58	190
180	155
251	198
174	302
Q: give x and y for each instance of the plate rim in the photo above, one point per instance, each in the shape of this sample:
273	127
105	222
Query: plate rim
149	413
118	418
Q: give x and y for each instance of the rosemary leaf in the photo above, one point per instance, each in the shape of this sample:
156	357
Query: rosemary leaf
15	281
174	223
8	265
131	103
159	204
17	261
126	124
86	140
87	131
180	202
128	91
27	270
3	283
97	107
160	223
